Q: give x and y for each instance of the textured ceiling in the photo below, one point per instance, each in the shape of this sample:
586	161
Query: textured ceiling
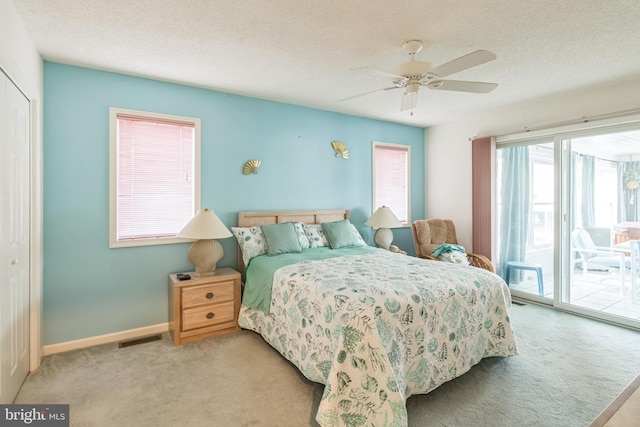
303	51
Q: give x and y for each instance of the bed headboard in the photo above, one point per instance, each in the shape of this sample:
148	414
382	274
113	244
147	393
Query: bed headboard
249	219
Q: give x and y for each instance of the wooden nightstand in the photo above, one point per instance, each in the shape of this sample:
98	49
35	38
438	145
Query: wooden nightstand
204	306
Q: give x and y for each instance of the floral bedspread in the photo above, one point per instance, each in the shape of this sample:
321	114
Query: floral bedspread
380	327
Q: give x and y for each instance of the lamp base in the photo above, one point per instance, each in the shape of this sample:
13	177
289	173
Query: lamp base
383	238
204	255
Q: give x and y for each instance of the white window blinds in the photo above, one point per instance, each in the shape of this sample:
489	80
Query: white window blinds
391	179
155	176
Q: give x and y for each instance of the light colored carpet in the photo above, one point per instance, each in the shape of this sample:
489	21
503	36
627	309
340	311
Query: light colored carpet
568	370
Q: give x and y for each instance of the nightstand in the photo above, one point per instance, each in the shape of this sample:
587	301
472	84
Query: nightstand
204	306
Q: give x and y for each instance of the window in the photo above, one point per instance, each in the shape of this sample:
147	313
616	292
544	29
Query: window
154	176
391	179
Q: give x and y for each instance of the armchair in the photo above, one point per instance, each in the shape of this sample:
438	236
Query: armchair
428	234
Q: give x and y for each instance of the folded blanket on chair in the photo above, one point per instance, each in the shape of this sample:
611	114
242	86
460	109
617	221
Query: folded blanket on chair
446	248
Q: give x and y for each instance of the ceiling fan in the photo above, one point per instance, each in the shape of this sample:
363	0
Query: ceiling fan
413	74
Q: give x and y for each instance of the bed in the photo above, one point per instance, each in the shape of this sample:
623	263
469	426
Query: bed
374	327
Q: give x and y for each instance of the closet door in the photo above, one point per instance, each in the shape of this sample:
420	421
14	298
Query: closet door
14	239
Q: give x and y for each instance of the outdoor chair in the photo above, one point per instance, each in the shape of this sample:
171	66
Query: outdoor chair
634	247
592	257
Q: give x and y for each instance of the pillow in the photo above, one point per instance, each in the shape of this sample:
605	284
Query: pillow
359	237
281	238
302	238
315	235
251	241
342	234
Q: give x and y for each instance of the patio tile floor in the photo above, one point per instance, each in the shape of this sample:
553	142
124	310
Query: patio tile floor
597	291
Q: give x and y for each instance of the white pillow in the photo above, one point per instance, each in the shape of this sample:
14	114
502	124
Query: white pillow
252	242
359	238
302	238
316	236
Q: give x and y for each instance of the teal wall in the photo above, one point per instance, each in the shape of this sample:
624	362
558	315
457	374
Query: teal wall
92	290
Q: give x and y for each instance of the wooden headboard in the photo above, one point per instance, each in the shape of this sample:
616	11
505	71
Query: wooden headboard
249	219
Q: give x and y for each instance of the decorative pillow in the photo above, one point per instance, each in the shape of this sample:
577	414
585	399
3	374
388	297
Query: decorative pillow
359	237
251	241
315	234
281	238
302	238
342	234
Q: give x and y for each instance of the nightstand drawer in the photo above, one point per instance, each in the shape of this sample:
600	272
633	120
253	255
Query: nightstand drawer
208	316
207	294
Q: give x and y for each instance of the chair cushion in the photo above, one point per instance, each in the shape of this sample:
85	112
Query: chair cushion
431	233
422	238
439	231
608	261
582	240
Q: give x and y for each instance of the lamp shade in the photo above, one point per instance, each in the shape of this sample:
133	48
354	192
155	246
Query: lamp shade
205	225
383	217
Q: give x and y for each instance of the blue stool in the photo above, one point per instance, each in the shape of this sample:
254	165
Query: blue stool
517	265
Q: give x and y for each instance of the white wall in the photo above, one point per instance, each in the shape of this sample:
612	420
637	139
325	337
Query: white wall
20	60
448	146
18	55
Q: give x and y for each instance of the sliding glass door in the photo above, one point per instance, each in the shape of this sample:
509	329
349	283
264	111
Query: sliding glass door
525	217
602	224
568	221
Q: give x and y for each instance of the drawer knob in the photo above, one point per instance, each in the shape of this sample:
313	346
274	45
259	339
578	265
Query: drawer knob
209	295
210	315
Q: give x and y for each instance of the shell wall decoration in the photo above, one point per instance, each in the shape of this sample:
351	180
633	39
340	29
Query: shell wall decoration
251	167
340	149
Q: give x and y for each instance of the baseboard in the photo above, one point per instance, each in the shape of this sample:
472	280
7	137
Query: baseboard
105	339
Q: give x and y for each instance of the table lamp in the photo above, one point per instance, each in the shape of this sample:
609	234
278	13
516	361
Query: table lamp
205	226
383	219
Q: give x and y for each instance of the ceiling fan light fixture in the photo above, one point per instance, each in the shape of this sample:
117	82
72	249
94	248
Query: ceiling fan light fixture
414	68
413	87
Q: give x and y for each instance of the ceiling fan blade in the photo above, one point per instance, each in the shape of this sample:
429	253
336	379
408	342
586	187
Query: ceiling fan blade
464	62
367	93
409	101
462	86
378	73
